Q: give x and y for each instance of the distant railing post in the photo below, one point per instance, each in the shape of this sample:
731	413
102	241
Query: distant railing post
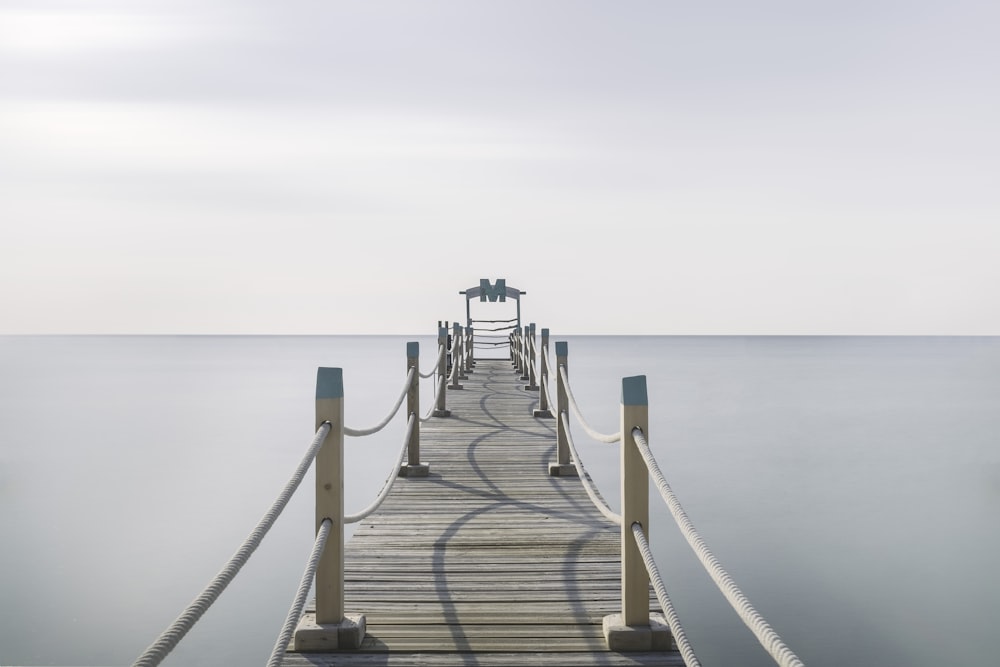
459	357
413	467
330	629
515	348
456	359
440	406
469	363
562	466
524	354
532	379
543	394
631	630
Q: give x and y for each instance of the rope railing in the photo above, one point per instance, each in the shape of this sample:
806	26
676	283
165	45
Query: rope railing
544	382
166	642
299	602
358	432
390	480
637	466
433	403
768	638
507	328
593	433
329	412
437	360
669	612
592	493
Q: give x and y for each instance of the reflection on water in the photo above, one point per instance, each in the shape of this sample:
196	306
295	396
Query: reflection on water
849	485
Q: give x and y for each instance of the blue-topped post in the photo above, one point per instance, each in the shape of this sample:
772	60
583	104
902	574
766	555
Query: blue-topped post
633	629
329	628
440	407
532	378
413	467
562	467
543	395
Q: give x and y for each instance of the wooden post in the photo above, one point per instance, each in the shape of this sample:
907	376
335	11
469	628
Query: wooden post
456	359
472	349
329	628
634	629
440	406
459	355
562	466
543	394
635	501
524	354
468	349
330	495
413	467
515	348
532	380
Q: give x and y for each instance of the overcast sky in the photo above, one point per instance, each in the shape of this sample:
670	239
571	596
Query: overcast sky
176	166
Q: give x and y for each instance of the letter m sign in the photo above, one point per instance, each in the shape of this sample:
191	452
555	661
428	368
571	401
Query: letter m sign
493	292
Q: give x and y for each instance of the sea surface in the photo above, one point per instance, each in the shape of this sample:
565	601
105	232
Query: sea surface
850	486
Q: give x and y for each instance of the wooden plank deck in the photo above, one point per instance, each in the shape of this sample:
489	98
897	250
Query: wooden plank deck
489	560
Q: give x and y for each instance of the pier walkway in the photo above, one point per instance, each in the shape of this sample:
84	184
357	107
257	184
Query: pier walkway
489	560
488	544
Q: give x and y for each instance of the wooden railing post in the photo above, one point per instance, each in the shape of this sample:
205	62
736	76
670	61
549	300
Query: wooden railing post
515	348
329	628
633	629
543	394
469	363
532	379
524	354
413	467
459	355
562	467
456	359
440	406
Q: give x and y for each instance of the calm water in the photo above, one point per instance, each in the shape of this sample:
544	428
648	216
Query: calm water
849	485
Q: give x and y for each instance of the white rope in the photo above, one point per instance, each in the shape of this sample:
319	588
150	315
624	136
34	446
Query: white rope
600	437
356	432
166	642
768	638
673	620
545	388
295	612
545	378
454	370
353	518
430	410
595	497
436	362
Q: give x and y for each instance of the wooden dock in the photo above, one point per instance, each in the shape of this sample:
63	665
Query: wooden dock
489	560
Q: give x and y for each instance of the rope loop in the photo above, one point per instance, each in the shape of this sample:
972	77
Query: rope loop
436	363
596	435
390	480
357	432
592	493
